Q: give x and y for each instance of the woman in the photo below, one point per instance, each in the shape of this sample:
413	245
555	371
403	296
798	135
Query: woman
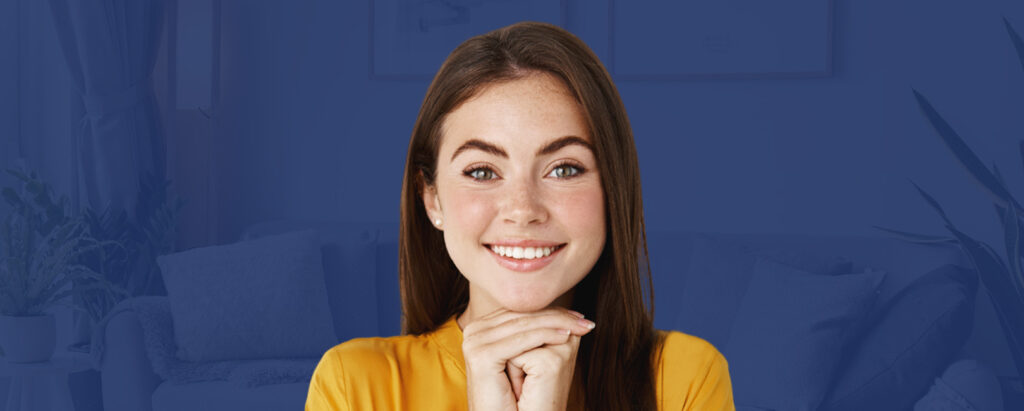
521	214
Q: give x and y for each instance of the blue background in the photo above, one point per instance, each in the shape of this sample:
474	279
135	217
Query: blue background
289	110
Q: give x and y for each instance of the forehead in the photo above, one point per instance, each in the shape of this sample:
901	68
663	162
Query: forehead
519	115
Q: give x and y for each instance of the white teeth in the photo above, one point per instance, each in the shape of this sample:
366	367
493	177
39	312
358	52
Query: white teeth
517	252
523	253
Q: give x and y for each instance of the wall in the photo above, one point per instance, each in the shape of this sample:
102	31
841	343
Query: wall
303	132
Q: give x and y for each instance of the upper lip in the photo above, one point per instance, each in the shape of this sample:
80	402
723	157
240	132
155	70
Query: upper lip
524	243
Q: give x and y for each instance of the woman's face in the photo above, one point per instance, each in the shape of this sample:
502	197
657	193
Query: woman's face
515	165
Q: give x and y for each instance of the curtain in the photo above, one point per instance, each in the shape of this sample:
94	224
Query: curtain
110	47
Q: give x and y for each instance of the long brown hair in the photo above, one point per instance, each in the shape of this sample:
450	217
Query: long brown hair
617	360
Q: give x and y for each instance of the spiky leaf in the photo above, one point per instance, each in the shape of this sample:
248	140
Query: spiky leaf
964	155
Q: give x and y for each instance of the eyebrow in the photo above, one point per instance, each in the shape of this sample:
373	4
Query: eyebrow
551	147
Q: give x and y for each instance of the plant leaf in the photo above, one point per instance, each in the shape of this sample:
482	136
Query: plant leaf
998	175
917	238
1011	237
1017	42
1001	212
1020	146
995	276
935	204
964	155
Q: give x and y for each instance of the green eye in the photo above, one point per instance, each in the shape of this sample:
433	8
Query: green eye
479	173
567	170
563	171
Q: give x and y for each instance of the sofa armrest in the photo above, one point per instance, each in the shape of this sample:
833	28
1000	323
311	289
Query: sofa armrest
127	373
966	384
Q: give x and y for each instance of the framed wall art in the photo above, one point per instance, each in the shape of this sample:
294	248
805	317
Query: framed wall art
692	39
410	38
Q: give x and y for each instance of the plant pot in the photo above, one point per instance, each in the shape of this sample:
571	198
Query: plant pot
28	339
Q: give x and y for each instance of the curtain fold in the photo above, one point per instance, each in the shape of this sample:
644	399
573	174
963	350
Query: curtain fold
111	47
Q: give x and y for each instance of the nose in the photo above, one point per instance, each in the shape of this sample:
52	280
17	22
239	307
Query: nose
523	203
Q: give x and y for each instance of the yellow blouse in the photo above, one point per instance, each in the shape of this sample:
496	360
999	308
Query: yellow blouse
427	372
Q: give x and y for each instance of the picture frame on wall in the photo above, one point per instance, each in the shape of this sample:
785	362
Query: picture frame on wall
680	40
409	39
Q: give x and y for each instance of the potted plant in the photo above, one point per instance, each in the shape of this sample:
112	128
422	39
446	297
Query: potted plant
1004	281
39	247
127	260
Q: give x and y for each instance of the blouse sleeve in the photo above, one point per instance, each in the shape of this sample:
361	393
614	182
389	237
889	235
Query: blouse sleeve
327	386
715	392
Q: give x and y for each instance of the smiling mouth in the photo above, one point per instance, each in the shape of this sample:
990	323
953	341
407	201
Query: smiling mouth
524	264
524	253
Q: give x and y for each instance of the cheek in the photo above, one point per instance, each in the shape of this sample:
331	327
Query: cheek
583	213
470	212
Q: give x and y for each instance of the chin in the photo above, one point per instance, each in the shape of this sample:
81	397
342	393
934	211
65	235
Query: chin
526	304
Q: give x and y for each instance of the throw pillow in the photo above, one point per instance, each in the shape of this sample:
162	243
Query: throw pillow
717	278
789	332
263	298
918	332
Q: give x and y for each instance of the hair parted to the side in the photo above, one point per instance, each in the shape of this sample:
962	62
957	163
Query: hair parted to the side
617	360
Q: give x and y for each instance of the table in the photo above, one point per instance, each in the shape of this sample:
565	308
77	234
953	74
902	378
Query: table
43	386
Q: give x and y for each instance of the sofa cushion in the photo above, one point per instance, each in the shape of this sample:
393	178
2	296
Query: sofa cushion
789	331
717	277
352	272
912	338
966	385
263	298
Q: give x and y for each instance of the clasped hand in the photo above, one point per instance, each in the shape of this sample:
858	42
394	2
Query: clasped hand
522	361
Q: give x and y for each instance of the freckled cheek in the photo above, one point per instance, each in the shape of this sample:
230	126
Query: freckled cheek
471	211
582	211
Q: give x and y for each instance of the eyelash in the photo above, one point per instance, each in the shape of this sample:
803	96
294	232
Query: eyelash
580	170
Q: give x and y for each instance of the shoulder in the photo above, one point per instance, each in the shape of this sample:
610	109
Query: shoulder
678	344
697	371
355	360
366	352
341	376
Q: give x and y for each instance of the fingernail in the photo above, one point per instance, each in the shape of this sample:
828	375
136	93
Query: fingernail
577	314
587	323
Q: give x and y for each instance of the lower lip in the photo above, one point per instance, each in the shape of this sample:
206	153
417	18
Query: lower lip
524	265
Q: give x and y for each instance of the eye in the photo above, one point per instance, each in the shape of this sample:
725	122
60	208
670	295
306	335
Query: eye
568	170
563	171
478	173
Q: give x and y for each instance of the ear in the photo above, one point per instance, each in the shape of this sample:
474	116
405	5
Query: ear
432	204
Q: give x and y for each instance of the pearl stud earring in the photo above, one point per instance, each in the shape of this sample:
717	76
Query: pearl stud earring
437	222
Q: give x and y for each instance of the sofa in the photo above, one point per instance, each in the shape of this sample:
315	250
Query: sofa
805	321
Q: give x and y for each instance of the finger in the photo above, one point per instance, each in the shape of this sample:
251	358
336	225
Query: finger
520	324
516	376
541	361
502	350
559	320
503	314
567	351
492	319
573	345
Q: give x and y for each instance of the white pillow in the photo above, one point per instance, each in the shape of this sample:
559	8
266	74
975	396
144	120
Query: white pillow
262	298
